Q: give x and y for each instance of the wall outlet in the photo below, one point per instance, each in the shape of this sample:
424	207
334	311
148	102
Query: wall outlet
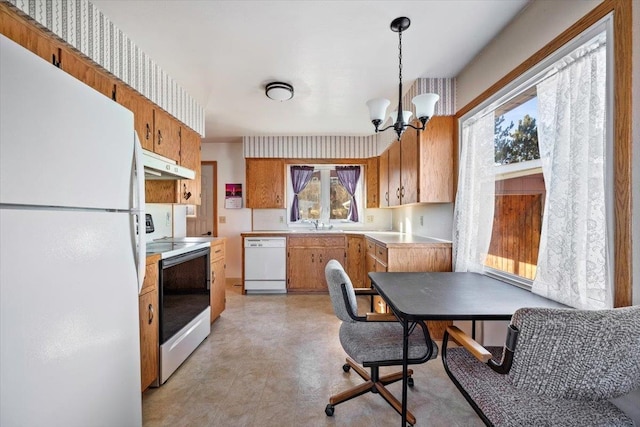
281	219
223	220
167	220
421	220
369	218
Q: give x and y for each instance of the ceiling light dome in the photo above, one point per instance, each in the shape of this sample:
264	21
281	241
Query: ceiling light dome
279	91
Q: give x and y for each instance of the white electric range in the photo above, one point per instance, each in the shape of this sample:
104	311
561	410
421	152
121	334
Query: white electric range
184	298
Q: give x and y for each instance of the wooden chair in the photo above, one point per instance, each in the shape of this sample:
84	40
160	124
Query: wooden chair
557	368
372	341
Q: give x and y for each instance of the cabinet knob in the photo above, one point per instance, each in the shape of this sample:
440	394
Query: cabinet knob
150	313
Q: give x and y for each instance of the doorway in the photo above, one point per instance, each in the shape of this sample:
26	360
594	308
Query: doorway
204	223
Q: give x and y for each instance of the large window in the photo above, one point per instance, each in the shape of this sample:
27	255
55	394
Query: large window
324	194
534	200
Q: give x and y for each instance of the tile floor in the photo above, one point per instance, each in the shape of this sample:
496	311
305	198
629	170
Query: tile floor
274	360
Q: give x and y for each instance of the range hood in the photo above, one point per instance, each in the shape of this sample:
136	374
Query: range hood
159	167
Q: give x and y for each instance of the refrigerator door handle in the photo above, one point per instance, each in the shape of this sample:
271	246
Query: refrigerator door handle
140	211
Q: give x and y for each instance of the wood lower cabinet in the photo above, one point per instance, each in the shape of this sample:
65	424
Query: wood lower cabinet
148	312
307	258
409	257
356	252
218	278
265	183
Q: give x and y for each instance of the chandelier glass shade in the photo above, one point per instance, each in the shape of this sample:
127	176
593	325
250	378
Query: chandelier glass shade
425	103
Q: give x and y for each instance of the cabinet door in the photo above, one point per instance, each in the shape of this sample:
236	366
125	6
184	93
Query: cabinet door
394	174
383	179
167	135
87	72
409	167
265	183
148	304
372	183
142	113
16	29
356	260
148	318
218	278
302	269
323	257
189	189
436	160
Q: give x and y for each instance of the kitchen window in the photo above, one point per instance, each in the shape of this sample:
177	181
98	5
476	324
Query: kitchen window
325	194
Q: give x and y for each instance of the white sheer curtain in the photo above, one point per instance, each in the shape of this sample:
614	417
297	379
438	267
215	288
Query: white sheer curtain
573	258
473	214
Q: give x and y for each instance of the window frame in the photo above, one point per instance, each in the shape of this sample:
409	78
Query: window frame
325	185
524	82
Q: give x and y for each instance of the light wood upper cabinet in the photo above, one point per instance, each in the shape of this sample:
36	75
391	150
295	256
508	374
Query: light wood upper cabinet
383	179
436	160
394	174
409	167
218	278
142	112
265	183
167	135
85	71
356	252
372	183
26	35
420	166
189	189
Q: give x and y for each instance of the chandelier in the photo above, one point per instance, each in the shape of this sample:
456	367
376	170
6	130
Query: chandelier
425	104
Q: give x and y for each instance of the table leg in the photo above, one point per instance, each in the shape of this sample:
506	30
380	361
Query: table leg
405	368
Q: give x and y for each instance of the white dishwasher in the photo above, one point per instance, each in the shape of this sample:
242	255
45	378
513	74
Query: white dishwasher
265	265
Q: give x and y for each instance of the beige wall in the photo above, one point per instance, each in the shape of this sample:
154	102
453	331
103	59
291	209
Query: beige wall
539	23
230	164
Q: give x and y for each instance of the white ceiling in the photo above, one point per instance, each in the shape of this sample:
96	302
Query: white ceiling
336	54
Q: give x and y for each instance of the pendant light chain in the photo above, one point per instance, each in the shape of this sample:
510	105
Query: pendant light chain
400	56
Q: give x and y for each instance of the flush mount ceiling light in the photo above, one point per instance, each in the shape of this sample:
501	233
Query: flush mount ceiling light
279	91
425	103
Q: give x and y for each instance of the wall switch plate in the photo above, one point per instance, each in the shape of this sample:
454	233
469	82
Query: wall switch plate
223	220
281	219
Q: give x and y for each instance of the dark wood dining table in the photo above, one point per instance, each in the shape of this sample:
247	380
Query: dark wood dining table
424	296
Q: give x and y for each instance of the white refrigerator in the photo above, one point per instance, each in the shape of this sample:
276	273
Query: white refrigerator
71	262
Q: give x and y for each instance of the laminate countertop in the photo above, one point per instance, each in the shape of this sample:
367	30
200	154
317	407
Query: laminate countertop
386	238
